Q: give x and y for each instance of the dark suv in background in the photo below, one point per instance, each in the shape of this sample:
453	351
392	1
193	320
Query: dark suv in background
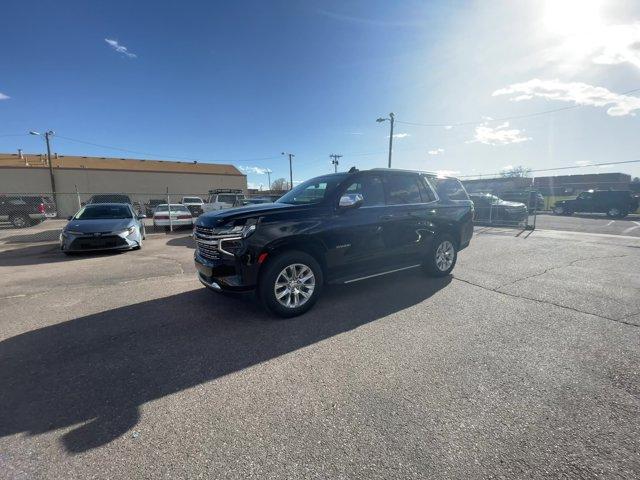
26	210
615	203
338	228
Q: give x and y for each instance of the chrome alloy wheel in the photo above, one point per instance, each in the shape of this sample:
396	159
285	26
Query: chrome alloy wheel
445	253
294	285
614	212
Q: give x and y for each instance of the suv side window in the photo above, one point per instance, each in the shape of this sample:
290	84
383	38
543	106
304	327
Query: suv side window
371	189
450	189
426	191
402	189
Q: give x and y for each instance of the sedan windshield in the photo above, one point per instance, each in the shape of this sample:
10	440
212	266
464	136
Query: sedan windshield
97	212
312	191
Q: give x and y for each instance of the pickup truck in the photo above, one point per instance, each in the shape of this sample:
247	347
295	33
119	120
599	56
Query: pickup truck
194	204
26	210
222	199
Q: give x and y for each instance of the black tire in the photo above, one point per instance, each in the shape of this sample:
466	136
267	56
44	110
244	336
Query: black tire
432	265
271	272
20	220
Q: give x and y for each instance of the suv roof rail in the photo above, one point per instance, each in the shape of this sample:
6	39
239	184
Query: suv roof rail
380	169
353	170
225	190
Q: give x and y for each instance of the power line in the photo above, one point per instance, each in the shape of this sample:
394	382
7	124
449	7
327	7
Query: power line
503	119
554	169
159	155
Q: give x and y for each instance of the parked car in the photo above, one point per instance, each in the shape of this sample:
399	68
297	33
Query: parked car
109	198
615	203
194	204
180	216
222	199
532	199
103	226
490	208
26	210
151	205
339	228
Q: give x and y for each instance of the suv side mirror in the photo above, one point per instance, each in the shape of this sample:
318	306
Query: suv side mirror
351	200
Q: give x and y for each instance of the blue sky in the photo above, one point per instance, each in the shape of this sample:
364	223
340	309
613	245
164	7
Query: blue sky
240	82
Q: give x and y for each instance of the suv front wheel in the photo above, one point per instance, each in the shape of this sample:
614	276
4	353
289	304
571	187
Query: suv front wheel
442	257
290	284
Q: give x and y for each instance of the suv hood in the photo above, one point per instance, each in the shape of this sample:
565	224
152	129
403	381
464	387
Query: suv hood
219	216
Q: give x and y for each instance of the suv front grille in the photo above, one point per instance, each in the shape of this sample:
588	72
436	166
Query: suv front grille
211	245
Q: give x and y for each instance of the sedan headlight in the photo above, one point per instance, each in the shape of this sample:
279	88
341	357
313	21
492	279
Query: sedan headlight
128	231
72	232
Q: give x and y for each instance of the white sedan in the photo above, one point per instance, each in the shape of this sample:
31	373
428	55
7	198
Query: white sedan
180	216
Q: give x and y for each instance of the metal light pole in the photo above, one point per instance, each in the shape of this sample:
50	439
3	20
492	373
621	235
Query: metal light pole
291	155
47	135
390	119
268	172
334	161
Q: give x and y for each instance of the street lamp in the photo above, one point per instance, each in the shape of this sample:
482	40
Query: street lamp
47	135
268	172
291	155
390	119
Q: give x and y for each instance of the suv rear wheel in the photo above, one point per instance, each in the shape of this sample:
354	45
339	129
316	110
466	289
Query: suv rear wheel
290	284
20	220
616	212
442	257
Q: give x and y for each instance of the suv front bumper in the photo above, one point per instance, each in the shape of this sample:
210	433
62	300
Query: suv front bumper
224	275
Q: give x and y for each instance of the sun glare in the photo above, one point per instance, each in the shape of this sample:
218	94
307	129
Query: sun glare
573	17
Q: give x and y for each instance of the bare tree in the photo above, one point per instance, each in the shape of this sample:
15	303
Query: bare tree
280	184
518	171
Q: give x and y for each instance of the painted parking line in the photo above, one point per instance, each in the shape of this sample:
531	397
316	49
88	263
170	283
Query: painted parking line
630	229
610	223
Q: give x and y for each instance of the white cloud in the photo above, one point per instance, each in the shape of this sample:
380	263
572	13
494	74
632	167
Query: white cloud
506	168
355	133
575	92
448	127
620	44
582	163
500	135
4	97
447	173
400	135
436	151
120	48
256	170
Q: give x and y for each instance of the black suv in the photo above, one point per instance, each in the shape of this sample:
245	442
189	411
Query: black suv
26	210
338	228
615	203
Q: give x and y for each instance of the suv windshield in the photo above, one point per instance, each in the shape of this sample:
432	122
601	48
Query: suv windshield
96	212
312	191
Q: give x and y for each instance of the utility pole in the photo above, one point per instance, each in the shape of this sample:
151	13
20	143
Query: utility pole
47	136
269	178
335	161
291	155
390	119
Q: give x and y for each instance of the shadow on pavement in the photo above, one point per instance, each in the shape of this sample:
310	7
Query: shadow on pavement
98	370
41	254
40	236
185	241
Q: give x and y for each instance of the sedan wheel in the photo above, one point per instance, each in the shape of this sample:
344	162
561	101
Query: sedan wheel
20	221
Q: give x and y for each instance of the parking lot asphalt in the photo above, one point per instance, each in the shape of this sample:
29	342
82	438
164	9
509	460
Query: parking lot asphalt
523	364
590	223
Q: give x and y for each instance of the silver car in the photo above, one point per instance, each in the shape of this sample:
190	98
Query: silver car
103	226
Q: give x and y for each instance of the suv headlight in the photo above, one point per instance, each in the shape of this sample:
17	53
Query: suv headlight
239	230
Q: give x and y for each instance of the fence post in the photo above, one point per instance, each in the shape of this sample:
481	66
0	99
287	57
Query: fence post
78	196
169	210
